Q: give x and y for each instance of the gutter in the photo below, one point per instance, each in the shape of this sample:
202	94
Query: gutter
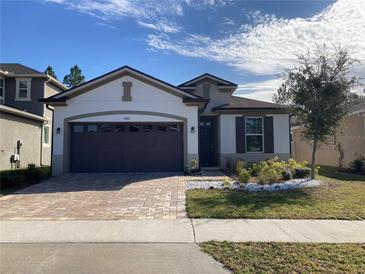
21	113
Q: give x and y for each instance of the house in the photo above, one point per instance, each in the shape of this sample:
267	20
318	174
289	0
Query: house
128	121
25	123
342	148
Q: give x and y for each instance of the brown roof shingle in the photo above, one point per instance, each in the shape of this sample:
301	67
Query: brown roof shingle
16	68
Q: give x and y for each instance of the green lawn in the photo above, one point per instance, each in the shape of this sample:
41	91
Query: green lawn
342	196
288	257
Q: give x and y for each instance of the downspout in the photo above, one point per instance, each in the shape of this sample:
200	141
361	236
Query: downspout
52	110
41	148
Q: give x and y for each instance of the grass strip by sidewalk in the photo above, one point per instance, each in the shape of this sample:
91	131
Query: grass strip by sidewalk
288	257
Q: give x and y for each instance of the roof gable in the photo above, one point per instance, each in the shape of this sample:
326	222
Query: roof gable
116	74
221	81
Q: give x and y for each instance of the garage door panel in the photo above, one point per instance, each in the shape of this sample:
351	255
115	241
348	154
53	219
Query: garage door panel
127	147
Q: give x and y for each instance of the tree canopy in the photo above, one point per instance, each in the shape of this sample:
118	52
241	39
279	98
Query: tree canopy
49	71
74	78
318	92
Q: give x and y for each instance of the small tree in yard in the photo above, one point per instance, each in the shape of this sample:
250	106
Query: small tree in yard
49	71
318	93
74	78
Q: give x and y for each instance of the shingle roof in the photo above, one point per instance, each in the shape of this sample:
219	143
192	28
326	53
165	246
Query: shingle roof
18	68
245	103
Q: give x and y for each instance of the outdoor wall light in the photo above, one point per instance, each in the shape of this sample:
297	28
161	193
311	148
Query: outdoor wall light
58	130
192	130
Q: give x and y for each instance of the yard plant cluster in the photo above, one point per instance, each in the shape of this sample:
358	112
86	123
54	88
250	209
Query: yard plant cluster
271	171
12	180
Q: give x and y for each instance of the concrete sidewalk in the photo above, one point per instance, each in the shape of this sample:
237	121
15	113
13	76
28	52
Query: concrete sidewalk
182	231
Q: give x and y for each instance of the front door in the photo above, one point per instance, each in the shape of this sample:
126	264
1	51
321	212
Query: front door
208	141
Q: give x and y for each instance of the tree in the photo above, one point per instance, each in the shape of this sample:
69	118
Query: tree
74	78
49	71
319	93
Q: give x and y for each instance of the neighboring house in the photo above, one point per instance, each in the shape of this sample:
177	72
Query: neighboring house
25	123
347	144
126	120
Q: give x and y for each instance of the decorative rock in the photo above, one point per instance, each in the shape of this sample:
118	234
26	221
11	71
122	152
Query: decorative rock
287	185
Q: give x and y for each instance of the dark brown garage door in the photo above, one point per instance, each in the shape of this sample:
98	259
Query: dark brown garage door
126	147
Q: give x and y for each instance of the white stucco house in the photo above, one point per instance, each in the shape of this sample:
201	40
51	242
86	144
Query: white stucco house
128	121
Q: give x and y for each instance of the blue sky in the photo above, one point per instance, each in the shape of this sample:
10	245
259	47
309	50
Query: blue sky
248	42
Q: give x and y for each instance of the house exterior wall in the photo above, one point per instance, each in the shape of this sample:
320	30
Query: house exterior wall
36	93
13	128
105	103
227	137
49	90
216	97
347	145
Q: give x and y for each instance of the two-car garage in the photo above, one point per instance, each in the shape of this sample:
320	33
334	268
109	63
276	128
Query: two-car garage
126	147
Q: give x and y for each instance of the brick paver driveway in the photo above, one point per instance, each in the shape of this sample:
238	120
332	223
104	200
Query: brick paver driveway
99	196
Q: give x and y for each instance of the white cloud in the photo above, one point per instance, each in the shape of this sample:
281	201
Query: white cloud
228	22
149	14
273	44
161	26
263	90
156	15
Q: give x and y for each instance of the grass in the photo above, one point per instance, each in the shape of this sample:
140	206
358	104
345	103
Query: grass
288	257
342	196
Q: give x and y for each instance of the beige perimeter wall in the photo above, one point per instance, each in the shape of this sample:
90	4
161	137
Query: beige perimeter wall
13	128
347	145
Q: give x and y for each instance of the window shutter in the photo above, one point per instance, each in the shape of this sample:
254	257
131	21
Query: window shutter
240	134
268	135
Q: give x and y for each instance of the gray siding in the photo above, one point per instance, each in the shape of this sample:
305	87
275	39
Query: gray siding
37	92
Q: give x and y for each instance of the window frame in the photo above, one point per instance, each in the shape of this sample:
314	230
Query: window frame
29	82
2	98
255	134
49	130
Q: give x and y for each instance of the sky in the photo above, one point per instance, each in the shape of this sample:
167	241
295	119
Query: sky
251	43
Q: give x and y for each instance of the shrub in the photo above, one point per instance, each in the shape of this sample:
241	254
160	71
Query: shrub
292	164
257	167
240	165
287	175
21	177
358	164
244	176
194	164
33	173
301	172
269	175
226	182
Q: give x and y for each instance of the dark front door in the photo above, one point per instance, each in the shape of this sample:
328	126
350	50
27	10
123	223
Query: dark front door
208	141
127	147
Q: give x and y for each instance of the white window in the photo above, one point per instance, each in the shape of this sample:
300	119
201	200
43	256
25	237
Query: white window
22	89
46	135
254	134
2	90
